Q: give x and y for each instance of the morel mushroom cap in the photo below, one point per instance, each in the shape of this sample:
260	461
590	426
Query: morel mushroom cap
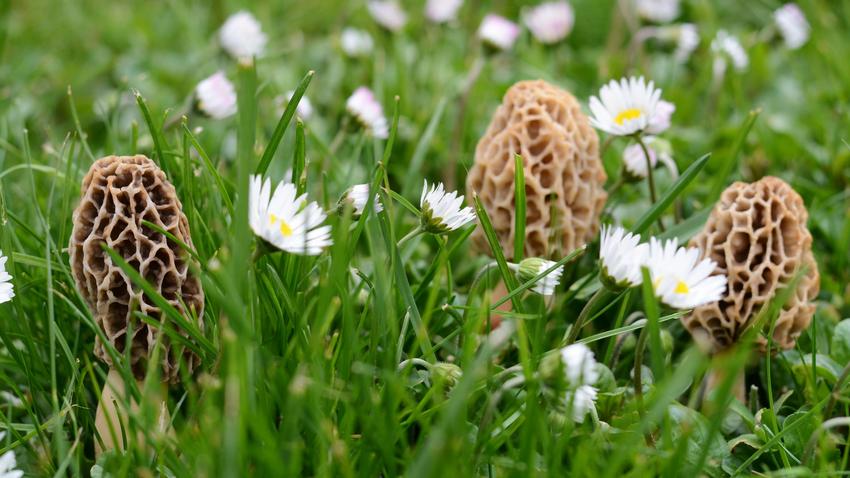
563	174
757	235
119	192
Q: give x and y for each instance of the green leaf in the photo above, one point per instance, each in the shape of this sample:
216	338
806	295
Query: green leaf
283	124
671	194
840	345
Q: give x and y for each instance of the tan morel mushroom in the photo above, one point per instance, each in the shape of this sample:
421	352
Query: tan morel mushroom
563	173
118	194
757	235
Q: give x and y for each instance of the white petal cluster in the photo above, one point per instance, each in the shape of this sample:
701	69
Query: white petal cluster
442	11
216	96
8	463
7	290
626	107
441	211
550	22
581	373
687	40
792	25
660	121
287	222
358	195
726	46
680	279
659	11
498	32
532	267
363	105
620	256
388	14
356	42
242	36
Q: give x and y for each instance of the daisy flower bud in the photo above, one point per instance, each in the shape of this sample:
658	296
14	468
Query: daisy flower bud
498	32
355	42
363	105
620	258
7	290
579	365
442	11
687	40
357	196
726	46
680	279
626	107
448	373
285	221
388	14
441	211
242	37
792	25
550	22
658	11
581	401
532	267
216	96
634	159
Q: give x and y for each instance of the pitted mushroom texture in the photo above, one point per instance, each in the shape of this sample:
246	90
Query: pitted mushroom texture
563	174
119	192
757	235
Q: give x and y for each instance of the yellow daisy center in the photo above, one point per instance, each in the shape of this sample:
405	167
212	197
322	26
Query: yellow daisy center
284	227
681	288
629	114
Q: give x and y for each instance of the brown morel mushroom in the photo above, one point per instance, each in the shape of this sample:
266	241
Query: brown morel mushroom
118	194
563	173
757	235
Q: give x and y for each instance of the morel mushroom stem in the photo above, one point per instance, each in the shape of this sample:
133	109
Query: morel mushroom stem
112	417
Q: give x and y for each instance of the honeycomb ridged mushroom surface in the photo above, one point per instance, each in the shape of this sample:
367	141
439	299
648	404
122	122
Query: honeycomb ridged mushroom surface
757	234
118	193
564	176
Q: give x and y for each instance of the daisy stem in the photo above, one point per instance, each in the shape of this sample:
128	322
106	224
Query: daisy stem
340	136
649	176
636	372
588	309
410	235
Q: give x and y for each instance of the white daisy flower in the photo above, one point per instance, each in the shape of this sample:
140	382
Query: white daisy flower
660	121
363	105
725	45
388	14
355	42
7	290
579	365
625	107
634	159
658	11
680	279
216	96
442	11
304	108
287	222
687	40
8	463
620	256
581	400
550	22
498	32
792	24
530	268
357	196
441	211
242	36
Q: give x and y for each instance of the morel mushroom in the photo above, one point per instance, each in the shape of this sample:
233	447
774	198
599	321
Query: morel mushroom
757	235
118	194
563	173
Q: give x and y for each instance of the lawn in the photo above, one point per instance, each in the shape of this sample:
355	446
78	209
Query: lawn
272	272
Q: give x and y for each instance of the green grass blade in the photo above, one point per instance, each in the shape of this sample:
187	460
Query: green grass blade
283	124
